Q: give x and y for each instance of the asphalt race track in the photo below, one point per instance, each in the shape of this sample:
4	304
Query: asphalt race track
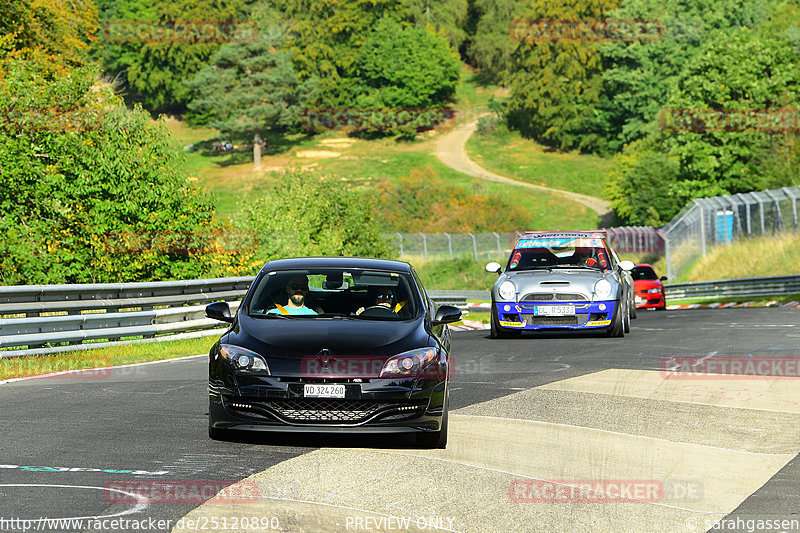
547	433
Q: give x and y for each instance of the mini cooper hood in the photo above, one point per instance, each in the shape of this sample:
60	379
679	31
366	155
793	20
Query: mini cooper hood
298	337
556	278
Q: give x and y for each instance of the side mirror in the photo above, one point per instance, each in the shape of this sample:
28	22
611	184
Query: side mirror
219	311
663	278
626	265
494	267
446	314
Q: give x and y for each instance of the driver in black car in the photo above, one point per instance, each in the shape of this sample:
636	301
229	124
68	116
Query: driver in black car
381	297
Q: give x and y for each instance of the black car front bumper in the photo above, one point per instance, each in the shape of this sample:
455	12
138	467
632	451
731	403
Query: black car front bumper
372	405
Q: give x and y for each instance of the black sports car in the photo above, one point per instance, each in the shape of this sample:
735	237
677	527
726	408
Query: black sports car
333	344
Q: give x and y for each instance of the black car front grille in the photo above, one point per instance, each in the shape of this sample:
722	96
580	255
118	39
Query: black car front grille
325	410
549	296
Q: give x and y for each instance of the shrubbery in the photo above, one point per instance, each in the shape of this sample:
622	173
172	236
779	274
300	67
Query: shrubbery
78	169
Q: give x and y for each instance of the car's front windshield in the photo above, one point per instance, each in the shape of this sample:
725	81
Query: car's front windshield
646	273
549	253
334	293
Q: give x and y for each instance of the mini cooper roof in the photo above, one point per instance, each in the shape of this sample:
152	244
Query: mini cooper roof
591	234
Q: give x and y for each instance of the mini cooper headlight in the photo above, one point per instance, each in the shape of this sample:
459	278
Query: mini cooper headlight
243	359
408	364
507	290
602	289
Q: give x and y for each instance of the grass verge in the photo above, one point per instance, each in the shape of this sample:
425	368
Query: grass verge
34	365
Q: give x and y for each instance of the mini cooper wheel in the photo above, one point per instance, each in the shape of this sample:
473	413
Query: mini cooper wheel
617	328
626	320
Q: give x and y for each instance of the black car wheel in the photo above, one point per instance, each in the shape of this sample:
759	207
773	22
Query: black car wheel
436	439
497	331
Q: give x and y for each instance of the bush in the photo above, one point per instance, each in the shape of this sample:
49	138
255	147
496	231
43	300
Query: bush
78	170
306	215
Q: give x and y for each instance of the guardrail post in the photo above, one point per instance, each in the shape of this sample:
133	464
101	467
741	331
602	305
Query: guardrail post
496	236
400	236
424	246
449	244
474	247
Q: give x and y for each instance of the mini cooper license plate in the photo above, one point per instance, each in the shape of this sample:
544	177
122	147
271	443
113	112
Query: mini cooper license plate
323	391
554	310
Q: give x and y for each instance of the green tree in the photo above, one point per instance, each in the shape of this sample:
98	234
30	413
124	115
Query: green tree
64	30
638	76
249	88
491	45
156	67
405	67
310	215
741	72
556	84
80	174
641	186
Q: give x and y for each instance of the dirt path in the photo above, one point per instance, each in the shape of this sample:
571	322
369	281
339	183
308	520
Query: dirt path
450	150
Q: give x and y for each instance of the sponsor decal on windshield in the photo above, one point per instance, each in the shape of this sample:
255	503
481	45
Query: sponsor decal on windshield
560	243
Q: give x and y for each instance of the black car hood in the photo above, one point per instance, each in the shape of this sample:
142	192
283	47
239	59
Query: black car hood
299	337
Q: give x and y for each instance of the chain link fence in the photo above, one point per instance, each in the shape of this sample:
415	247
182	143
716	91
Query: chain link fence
708	222
454	245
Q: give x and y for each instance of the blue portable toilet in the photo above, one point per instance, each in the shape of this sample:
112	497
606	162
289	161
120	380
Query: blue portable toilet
724	226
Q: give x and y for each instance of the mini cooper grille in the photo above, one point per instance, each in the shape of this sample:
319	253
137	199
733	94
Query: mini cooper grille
333	410
554	320
559	296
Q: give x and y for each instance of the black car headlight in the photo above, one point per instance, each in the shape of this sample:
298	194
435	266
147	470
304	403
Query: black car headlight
243	359
408	364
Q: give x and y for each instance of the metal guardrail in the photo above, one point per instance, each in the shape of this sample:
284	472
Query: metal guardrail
36	319
735	288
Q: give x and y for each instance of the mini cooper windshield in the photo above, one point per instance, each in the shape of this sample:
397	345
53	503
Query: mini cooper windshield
548	253
334	294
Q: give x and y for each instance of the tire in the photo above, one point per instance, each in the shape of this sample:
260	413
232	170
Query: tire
436	439
626	320
617	328
634	313
498	332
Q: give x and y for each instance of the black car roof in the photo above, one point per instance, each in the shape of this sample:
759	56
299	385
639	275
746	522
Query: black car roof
337	262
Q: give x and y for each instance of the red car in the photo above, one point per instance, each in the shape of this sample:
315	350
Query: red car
648	289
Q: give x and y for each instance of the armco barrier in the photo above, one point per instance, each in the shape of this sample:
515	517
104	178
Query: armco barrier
34	318
735	288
